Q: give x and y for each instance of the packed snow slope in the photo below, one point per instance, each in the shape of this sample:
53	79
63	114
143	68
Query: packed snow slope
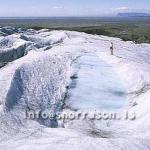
36	70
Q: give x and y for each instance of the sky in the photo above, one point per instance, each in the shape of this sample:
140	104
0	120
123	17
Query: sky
54	8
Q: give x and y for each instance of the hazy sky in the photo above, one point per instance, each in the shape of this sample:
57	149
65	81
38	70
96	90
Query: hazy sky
71	7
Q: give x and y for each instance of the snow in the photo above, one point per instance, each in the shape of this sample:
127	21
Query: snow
11	48
97	79
37	78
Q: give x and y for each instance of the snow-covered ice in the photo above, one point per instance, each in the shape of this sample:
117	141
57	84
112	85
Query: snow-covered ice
35	74
96	86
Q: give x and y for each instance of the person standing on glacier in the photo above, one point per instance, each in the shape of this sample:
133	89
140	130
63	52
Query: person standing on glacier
112	49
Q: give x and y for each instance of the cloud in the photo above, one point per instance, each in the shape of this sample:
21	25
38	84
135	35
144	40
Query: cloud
127	9
58	7
122	8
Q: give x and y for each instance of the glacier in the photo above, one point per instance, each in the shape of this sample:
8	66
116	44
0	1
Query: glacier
36	69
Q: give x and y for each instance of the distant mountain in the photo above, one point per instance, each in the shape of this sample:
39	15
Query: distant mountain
133	14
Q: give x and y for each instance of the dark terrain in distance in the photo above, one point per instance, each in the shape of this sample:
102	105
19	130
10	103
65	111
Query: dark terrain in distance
133	14
127	28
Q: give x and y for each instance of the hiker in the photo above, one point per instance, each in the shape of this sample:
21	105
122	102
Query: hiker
112	49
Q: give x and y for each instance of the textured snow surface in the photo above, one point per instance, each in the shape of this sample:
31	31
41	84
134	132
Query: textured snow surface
97	86
36	67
